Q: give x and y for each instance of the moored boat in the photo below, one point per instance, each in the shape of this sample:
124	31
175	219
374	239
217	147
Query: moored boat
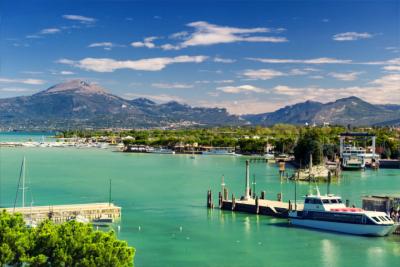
219	151
327	212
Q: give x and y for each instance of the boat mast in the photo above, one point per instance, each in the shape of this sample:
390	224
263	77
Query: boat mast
109	195
23	183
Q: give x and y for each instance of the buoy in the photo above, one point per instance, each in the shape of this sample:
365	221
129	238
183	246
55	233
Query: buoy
119	228
139	228
180	228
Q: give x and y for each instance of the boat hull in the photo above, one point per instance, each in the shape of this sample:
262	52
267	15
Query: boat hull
347	228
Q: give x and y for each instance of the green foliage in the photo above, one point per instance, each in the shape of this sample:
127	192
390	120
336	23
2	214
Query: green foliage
308	143
283	136
67	244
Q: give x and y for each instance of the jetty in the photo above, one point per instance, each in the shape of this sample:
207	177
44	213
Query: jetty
63	213
253	204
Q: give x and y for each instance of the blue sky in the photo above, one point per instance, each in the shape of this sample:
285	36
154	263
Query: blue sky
247	56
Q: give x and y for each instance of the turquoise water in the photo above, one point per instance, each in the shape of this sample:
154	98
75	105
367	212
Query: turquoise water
164	217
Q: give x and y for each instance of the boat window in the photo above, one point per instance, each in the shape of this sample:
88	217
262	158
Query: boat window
383	218
307	200
339	200
317	201
334	201
376	219
326	201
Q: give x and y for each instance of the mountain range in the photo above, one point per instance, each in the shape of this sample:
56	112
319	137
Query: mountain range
78	104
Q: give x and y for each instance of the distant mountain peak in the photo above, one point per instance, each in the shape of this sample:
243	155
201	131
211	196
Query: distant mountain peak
142	101
78	86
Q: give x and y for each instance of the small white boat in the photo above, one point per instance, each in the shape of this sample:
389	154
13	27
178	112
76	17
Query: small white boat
219	151
80	218
103	221
329	213
162	151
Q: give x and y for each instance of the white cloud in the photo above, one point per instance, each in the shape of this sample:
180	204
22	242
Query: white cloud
105	45
148	64
179	35
172	85
262	74
379	91
210	34
147	42
50	31
224	81
321	60
241	89
348	76
66	72
351	36
23	81
33	36
392	68
157	98
224	60
15	90
79	18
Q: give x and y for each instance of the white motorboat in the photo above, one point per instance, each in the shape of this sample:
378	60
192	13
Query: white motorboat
327	212
219	151
161	151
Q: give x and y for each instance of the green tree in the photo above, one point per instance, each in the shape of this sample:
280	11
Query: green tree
68	244
308	143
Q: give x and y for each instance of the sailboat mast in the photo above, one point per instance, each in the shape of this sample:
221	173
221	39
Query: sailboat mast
109	195
23	183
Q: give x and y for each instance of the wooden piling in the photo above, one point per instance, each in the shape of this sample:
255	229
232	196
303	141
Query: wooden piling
262	194
257	206
225	194
233	202
219	199
209	200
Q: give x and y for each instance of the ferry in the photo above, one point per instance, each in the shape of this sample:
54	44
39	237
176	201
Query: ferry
329	213
219	151
353	158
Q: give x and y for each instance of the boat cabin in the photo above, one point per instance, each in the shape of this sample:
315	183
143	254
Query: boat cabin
323	203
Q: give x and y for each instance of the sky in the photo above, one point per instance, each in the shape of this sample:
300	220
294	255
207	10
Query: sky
246	56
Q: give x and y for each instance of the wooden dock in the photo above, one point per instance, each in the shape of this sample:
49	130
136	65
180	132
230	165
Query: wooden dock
62	213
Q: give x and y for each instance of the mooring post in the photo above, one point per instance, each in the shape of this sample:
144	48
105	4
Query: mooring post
233	202
209	199
257	206
219	199
262	194
347	202
290	206
225	195
247	182
329	182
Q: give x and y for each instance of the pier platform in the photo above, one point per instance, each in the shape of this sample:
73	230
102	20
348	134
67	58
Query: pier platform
62	213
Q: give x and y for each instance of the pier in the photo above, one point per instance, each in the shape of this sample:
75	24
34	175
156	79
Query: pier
253	204
62	213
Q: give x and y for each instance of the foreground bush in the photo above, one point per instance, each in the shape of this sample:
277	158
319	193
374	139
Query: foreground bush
67	244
